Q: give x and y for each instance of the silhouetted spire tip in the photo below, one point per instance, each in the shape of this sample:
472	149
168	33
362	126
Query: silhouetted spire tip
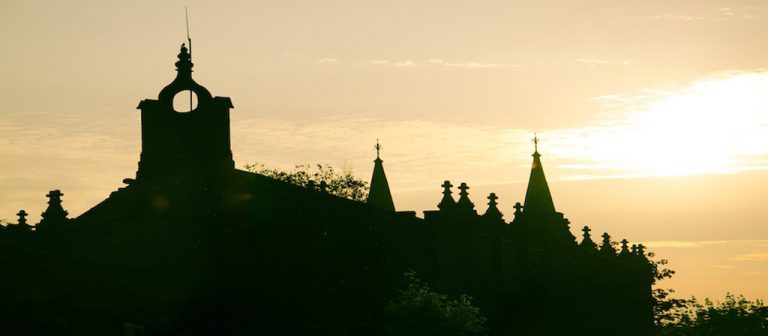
184	64
536	145
378	149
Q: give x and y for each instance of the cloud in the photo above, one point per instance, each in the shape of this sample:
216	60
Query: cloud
760	256
327	60
723	14
402	64
700	243
470	65
594	62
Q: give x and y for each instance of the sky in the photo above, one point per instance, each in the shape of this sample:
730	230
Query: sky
652	115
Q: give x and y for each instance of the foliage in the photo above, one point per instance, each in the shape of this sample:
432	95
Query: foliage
735	316
342	184
665	308
419	310
660	272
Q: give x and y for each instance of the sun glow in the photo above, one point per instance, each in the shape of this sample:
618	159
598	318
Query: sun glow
716	125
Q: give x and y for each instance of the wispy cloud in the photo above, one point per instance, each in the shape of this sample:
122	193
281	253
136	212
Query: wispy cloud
723	14
327	60
594	62
700	243
471	64
759	256
402	64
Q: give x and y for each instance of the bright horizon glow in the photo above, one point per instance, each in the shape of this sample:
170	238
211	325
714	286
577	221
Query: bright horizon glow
716	125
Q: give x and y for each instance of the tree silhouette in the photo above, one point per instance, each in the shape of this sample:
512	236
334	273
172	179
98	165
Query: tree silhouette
319	177
735	316
419	310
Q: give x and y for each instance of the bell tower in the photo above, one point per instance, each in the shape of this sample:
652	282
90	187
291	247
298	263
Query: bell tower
192	142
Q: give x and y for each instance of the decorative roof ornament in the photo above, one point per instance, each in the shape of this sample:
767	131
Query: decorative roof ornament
518	208
55	213
464	201
607	246
586	241
493	210
641	250
22	217
624	247
447	201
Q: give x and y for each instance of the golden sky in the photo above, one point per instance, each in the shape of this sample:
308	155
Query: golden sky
653	115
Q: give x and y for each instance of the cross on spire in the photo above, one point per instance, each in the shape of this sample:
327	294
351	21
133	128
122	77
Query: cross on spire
535	143
378	148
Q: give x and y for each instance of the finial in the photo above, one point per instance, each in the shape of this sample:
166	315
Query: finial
55	196
184	64
492	197
518	208
464	197
463	187
535	143
378	148
624	246
586	230
447	201
641	250
22	217
606	246
447	187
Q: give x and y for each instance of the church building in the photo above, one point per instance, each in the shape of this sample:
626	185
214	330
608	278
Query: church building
193	246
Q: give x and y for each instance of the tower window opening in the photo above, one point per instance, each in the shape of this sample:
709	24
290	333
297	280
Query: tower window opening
185	101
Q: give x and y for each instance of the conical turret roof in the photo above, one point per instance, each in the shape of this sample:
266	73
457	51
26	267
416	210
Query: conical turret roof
379	194
538	199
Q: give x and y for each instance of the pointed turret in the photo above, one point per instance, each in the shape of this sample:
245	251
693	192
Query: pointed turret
55	213
607	247
447	202
624	248
464	202
493	210
586	241
379	194
22	218
538	199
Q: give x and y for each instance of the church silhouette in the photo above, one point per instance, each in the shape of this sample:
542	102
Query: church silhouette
194	246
